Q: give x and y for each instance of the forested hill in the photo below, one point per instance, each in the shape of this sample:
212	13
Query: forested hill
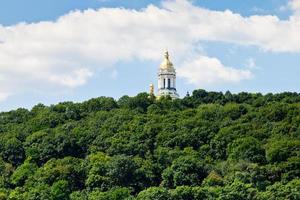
208	145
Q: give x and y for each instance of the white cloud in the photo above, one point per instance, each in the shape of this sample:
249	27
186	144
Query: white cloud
76	78
114	74
283	8
4	96
295	5
65	53
258	9
251	63
203	71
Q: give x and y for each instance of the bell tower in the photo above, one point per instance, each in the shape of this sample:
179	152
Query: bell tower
167	78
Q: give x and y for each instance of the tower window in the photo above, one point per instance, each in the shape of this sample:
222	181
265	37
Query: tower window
164	83
169	83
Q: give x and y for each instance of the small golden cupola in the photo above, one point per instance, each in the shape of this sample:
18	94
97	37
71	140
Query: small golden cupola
151	90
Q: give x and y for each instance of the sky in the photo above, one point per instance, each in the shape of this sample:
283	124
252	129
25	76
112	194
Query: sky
73	50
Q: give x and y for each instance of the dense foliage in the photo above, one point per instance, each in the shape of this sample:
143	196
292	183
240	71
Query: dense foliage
208	145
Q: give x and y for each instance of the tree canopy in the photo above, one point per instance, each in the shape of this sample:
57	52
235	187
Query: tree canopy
209	145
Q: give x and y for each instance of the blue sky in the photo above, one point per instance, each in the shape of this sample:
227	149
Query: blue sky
66	50
15	11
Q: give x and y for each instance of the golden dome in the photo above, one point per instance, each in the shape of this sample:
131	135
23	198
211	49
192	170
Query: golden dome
166	63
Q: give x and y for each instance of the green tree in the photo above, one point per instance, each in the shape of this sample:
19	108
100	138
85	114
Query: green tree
23	172
238	191
97	171
79	195
122	171
208	145
183	193
280	191
154	193
60	190
13	151
280	149
185	170
69	169
40	191
247	148
114	194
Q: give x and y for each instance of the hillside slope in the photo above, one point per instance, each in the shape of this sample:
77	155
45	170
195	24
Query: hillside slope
206	146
